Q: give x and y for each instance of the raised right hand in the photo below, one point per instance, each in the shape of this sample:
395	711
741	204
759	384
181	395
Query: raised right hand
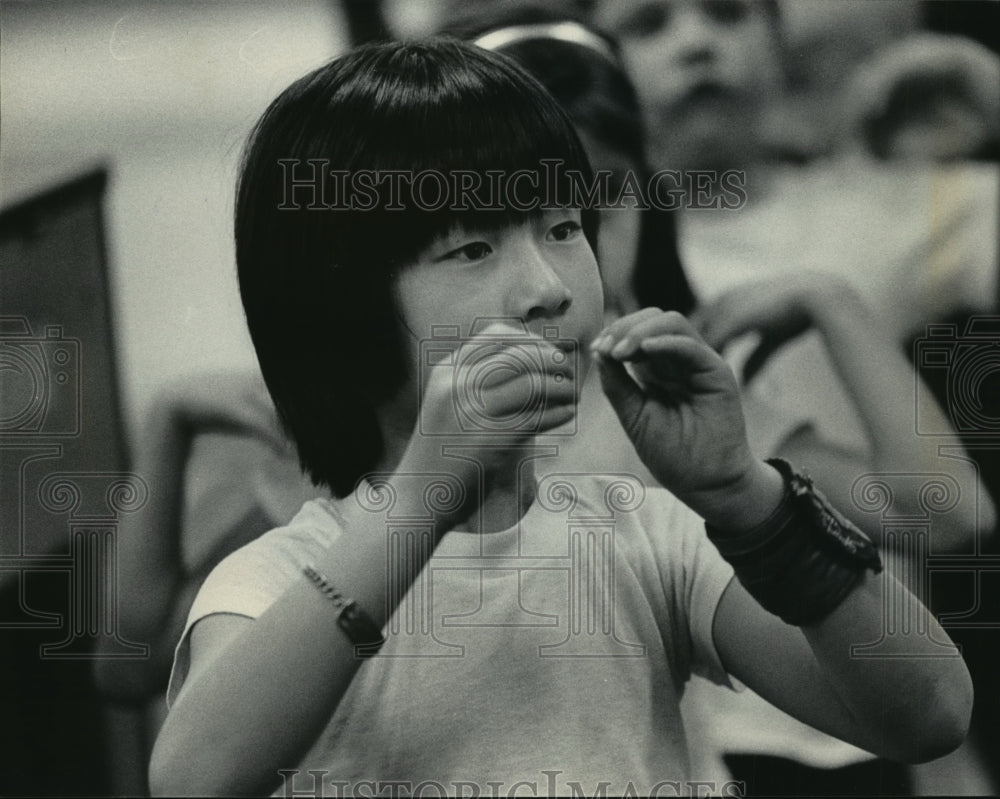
499	390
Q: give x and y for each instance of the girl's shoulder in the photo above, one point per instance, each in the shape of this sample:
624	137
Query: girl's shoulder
316	525
252	578
269	563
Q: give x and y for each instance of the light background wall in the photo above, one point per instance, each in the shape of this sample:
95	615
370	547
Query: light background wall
164	94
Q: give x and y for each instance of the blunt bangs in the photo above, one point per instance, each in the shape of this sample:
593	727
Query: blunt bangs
477	141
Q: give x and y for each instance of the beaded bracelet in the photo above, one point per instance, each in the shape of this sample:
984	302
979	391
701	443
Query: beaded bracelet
358	625
804	559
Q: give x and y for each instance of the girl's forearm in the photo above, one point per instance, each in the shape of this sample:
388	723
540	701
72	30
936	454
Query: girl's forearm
152	573
149	559
915	689
258	704
149	547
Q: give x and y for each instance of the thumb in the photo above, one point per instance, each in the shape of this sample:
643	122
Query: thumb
621	390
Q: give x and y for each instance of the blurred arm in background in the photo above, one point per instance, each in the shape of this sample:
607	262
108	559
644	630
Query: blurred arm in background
158	574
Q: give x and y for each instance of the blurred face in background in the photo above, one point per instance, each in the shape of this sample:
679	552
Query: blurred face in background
705	71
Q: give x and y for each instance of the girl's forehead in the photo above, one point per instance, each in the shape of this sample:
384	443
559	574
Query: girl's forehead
485	223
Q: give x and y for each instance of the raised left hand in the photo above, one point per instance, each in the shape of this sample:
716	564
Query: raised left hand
678	402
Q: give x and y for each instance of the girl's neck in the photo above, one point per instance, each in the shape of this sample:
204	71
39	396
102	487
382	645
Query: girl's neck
508	492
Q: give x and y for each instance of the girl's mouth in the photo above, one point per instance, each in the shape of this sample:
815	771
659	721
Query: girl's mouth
704	95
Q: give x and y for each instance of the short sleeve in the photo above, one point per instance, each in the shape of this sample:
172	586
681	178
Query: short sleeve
694	577
706	577
250	580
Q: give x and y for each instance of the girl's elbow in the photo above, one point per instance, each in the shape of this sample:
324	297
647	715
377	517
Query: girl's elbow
947	737
942	731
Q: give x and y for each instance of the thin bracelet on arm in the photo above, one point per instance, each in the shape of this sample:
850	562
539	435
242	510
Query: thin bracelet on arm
358	625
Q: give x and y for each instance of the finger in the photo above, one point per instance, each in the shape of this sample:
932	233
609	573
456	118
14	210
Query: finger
668	323
680	365
695	354
629	339
525	395
524	405
555	416
666	380
621	390
614	331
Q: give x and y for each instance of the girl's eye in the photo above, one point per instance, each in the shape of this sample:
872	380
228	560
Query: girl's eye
646	20
473	251
565	231
727	11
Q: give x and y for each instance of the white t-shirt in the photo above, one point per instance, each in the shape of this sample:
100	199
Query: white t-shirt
554	651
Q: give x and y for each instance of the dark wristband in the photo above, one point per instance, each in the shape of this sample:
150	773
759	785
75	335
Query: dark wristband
804	559
362	631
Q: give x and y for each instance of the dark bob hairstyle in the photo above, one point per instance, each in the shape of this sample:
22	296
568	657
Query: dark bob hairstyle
316	271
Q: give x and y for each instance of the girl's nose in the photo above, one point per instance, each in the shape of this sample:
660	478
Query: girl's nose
695	36
541	293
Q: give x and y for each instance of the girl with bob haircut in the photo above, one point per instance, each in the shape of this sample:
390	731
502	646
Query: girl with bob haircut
446	623
408	117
